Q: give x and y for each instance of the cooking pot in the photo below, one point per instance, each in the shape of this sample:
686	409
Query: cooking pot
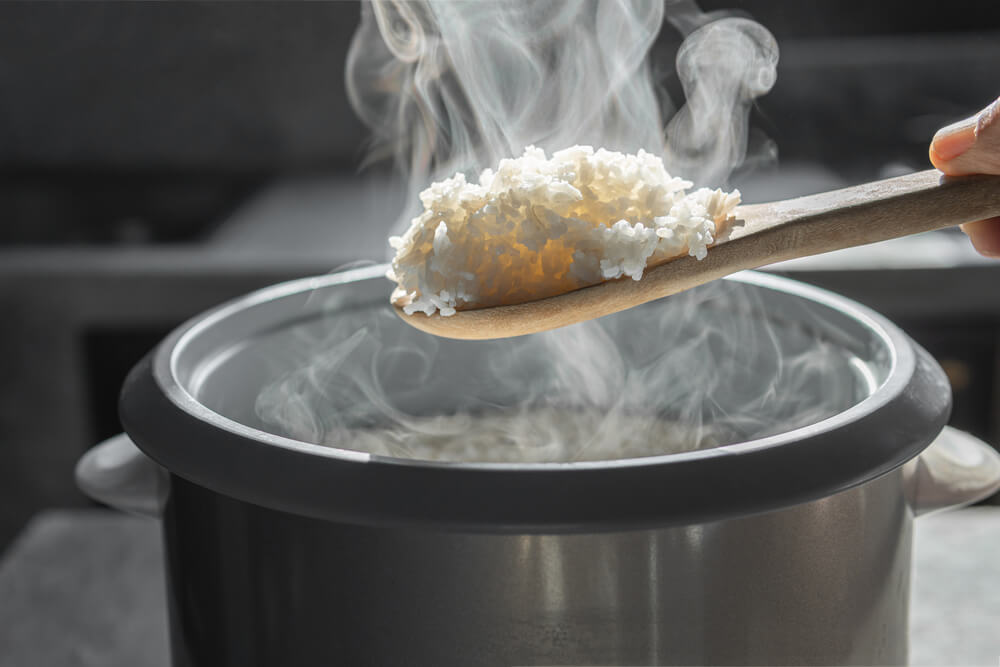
787	542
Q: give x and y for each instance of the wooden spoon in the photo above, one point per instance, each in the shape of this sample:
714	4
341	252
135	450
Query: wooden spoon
771	232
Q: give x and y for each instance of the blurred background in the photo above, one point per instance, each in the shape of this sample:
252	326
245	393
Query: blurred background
159	158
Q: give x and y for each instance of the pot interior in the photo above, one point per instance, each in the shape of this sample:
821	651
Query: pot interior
729	362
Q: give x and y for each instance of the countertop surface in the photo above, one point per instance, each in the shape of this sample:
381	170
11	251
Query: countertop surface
85	588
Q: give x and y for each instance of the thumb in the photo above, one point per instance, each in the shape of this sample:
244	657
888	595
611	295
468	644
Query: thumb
970	146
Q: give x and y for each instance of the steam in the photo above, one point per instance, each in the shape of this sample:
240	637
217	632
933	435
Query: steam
723	67
646	381
456	86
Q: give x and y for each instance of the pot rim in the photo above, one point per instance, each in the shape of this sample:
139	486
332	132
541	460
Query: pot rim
166	371
905	398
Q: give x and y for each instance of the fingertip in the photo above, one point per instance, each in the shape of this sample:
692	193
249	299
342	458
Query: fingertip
939	163
947	167
985	236
952	141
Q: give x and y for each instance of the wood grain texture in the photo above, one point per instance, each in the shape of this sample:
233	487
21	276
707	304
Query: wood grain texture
771	232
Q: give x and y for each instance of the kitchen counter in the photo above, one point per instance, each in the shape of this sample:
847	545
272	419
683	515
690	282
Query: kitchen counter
85	588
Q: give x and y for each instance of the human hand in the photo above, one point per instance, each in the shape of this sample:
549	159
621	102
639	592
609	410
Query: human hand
972	146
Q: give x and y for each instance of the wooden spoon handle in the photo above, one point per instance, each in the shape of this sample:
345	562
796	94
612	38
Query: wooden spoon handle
810	225
867	213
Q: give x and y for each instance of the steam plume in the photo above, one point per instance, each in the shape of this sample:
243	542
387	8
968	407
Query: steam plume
456	86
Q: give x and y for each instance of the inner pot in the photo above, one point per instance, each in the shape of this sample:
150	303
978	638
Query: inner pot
780	393
776	534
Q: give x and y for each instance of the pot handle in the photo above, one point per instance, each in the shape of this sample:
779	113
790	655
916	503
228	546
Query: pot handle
116	473
956	469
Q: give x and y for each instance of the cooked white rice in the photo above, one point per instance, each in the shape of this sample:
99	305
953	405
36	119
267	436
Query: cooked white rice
541	226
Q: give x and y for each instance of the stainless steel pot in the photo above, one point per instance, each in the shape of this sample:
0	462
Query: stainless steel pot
787	548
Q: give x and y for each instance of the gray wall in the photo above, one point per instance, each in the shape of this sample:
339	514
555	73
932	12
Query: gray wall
176	85
258	86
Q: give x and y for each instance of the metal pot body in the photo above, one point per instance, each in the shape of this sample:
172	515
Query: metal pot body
789	545
823	582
